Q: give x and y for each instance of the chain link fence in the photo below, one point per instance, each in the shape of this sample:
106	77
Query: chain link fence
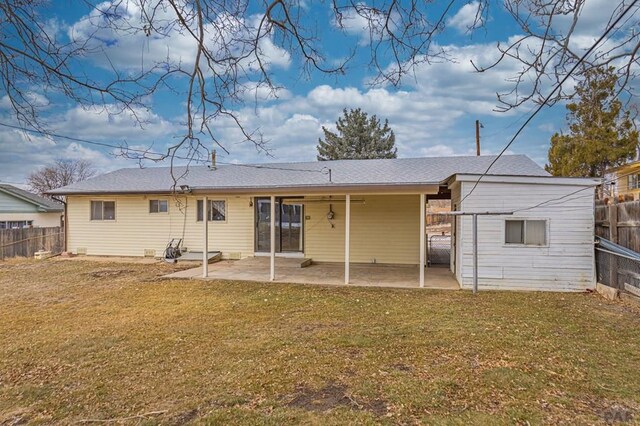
439	250
619	270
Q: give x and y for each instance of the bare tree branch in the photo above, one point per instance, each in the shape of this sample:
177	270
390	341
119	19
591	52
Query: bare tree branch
59	174
230	46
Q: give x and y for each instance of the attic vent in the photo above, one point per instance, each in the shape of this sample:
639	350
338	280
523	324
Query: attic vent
81	250
149	253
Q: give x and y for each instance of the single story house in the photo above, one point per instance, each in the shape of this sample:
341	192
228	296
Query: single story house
350	211
626	180
23	209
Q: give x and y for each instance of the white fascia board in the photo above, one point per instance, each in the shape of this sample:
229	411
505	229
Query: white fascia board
540	180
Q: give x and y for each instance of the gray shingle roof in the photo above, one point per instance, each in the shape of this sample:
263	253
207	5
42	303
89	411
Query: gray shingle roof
388	172
45	204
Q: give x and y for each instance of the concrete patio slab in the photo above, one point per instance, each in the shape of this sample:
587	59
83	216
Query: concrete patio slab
289	271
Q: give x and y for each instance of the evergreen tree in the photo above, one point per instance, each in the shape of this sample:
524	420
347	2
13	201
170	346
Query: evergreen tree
601	134
358	137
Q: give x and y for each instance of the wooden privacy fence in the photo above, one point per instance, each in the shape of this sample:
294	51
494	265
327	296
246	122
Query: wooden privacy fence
25	242
620	223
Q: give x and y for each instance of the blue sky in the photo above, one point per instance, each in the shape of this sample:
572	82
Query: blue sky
432	112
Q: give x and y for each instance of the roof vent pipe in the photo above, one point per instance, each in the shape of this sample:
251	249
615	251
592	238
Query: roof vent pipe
213	159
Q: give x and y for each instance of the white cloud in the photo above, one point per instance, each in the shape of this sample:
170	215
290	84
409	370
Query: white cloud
111	123
353	23
36	100
432	116
254	92
115	36
5	102
24	153
468	17
364	21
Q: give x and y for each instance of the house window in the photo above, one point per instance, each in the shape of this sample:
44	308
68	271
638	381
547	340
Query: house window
217	211
633	181
15	224
158	206
103	210
526	232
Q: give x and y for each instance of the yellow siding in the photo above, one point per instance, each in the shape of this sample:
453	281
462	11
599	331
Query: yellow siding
39	219
136	230
622	182
385	229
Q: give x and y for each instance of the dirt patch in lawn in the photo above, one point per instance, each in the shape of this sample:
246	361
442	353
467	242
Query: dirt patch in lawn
186	417
109	273
402	367
333	396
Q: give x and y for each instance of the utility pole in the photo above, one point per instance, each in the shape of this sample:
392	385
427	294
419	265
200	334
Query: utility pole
478	126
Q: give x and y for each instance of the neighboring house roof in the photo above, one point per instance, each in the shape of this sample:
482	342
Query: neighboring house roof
44	204
346	173
631	164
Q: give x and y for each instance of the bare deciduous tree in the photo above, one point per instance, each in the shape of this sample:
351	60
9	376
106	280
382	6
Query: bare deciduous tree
229	47
59	174
550	46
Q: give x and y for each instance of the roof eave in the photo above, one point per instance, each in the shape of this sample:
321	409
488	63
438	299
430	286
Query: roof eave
416	187
42	208
578	181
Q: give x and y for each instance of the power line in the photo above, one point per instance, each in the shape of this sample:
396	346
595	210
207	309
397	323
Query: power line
323	170
75	139
546	203
548	97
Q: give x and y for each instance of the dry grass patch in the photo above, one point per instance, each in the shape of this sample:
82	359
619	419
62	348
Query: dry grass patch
92	340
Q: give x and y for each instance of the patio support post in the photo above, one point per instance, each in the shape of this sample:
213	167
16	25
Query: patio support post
347	236
205	229
423	204
272	228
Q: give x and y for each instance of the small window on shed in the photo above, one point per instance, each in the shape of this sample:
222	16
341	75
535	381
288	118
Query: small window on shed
514	232
526	232
158	206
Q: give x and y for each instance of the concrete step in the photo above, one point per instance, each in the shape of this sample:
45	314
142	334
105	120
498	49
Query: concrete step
281	262
196	256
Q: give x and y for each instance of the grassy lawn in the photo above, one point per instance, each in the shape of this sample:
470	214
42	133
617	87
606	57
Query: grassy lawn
84	340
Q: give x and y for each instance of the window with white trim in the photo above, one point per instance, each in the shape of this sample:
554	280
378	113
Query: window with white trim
217	211
633	181
158	206
15	224
529	232
103	210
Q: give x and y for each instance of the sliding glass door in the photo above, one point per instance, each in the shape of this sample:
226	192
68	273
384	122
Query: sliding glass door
289	225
